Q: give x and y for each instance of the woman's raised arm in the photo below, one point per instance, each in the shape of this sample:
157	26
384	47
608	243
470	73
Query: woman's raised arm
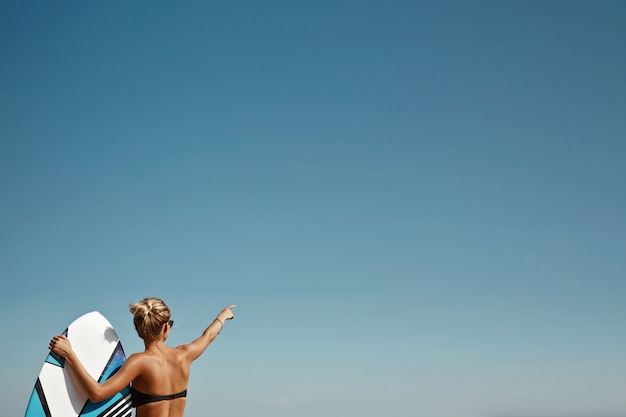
198	346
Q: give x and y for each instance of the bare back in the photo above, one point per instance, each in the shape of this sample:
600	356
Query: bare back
164	371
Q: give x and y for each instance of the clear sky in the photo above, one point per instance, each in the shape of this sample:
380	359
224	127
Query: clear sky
418	207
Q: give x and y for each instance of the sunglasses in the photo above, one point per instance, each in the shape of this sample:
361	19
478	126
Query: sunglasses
171	323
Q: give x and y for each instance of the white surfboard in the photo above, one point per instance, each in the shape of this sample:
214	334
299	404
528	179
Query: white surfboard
99	349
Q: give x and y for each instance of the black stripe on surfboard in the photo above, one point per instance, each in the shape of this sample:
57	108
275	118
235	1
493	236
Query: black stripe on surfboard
121	408
57	358
117	347
42	398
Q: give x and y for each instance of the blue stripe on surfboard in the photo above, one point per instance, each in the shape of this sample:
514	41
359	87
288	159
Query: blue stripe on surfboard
115	362
55	360
37	405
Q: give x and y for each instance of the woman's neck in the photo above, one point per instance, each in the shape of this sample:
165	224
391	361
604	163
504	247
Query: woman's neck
154	345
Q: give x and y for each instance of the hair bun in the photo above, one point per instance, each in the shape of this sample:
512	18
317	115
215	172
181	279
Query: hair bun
150	314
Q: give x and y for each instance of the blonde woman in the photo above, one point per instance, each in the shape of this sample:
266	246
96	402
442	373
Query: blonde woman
159	374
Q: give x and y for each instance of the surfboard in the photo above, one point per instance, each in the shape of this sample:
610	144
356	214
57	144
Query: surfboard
99	349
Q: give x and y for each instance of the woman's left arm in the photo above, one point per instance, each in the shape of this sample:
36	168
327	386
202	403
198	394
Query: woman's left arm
95	391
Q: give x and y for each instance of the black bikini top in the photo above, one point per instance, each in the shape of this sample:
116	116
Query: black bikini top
139	398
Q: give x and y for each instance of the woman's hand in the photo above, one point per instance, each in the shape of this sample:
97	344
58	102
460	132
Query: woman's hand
226	314
61	346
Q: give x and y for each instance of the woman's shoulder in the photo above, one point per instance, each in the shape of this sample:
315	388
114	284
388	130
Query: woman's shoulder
178	352
142	357
137	357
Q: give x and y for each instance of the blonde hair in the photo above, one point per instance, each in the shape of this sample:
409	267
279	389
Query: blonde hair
151	314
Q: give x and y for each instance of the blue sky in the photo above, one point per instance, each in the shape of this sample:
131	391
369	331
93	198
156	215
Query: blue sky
418	208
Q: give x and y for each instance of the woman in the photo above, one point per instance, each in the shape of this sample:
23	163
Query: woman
159	375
